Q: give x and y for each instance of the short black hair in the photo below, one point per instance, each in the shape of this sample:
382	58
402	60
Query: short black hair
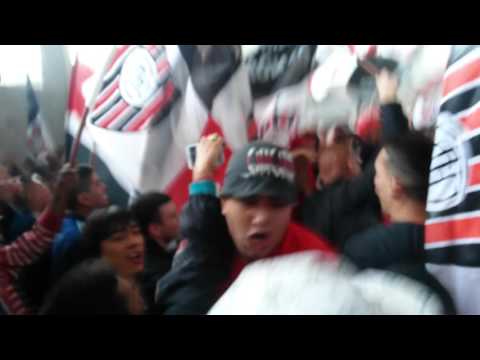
409	158
84	178
145	209
100	226
91	288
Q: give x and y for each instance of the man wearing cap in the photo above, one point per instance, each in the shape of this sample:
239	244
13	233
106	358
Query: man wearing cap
251	220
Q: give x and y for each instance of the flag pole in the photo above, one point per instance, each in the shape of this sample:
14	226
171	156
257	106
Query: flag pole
93	155
76	144
365	64
368	67
71	89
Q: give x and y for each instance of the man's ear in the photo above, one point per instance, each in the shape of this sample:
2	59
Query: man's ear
396	188
155	230
223	205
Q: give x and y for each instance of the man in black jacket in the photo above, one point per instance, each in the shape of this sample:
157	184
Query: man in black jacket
251	220
345	211
401	183
157	217
347	204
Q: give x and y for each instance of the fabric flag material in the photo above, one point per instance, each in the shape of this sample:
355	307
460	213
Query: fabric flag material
278	76
452	236
153	102
136	89
35	140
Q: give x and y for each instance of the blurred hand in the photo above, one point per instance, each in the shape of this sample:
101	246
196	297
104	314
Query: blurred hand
9	188
336	135
308	154
209	150
387	86
67	180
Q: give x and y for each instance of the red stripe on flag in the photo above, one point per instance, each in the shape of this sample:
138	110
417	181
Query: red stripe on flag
252	130
115	84
107	93
152	49
151	109
120	51
452	230
76	101
163	65
474	174
113	115
465	74
371	51
178	188
472	121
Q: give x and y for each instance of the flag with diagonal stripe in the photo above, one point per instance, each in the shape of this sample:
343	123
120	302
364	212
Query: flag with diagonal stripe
136	89
150	103
452	234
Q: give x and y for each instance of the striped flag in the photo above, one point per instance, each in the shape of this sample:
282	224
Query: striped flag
154	101
136	89
35	139
452	237
82	75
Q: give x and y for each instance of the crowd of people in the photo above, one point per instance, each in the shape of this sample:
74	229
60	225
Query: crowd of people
66	250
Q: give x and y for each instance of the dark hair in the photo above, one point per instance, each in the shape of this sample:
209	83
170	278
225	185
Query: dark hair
145	209
91	288
84	176
409	158
100	226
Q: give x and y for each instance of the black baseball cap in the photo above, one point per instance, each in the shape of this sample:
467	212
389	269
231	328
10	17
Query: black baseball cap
261	168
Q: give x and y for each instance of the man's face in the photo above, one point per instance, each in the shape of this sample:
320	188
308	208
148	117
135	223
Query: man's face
257	224
96	197
168	227
383	182
336	163
331	166
125	251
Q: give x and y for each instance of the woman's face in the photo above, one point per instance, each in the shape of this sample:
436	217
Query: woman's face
125	251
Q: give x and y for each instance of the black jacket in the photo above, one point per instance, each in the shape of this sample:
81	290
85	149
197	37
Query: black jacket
157	263
398	248
194	283
343	209
351	206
